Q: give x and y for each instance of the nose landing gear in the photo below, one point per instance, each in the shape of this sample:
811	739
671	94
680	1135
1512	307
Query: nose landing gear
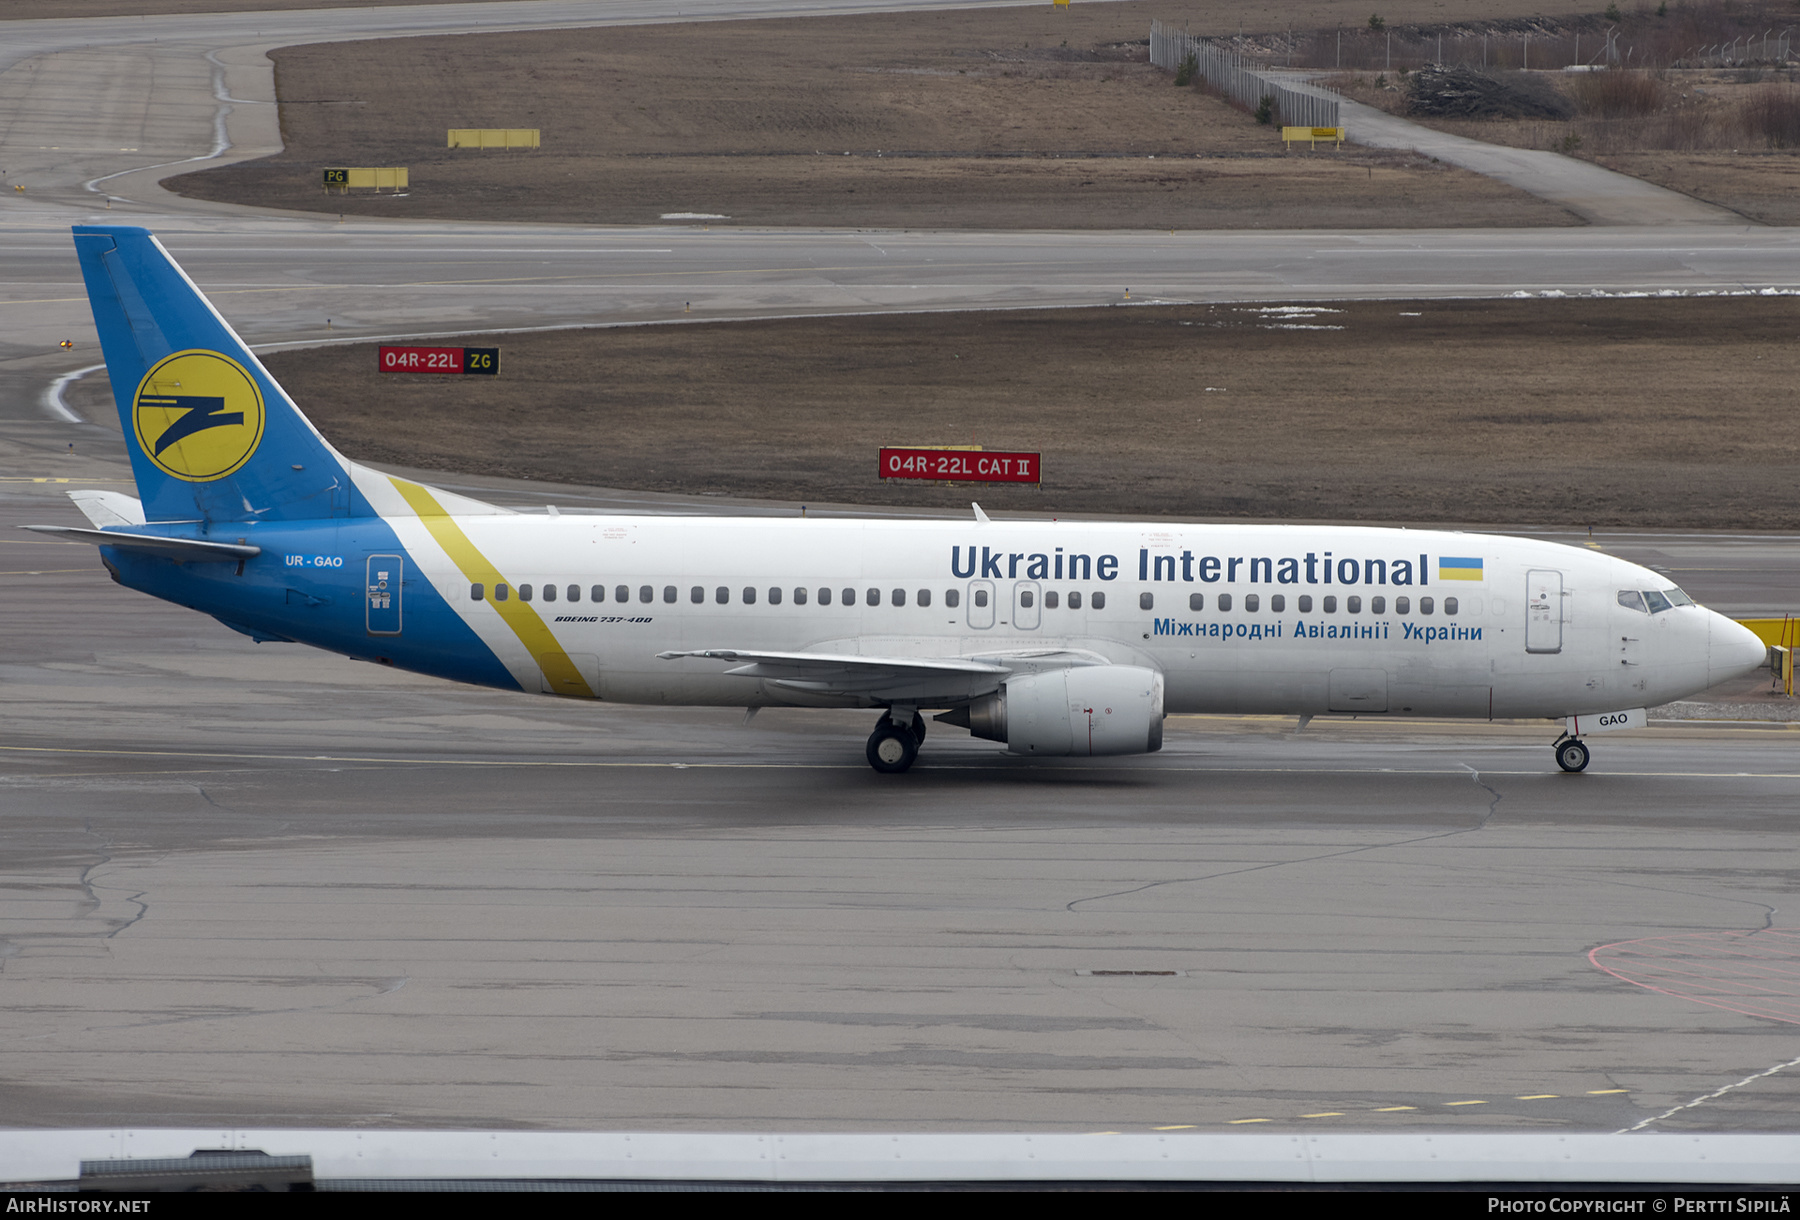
894	747
1571	753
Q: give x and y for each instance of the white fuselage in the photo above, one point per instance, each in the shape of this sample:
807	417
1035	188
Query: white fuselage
1239	619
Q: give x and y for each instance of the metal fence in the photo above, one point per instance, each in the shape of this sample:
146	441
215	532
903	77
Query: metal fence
1241	80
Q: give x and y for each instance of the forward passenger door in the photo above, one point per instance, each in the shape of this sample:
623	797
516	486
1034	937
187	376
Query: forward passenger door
1544	613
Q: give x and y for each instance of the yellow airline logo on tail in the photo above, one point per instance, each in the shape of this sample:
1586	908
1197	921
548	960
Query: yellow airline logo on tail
198	415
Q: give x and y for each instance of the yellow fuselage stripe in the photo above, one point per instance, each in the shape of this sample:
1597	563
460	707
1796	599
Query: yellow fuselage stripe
522	617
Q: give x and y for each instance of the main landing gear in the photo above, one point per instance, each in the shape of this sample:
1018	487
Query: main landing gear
894	747
1571	753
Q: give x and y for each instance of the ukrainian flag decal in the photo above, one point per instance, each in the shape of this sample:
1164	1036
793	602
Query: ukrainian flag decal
1456	567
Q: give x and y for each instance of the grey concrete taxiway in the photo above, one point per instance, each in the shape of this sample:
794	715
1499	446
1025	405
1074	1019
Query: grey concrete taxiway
257	884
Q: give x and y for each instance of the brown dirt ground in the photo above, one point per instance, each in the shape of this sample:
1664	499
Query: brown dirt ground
1760	184
999	118
1618	412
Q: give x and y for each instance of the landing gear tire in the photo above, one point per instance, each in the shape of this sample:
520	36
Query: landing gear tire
892	748
918	729
1572	755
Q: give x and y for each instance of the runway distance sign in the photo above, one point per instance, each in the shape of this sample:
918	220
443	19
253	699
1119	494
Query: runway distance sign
960	465
484	361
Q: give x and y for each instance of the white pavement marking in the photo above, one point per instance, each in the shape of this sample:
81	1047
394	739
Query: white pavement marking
1712	1096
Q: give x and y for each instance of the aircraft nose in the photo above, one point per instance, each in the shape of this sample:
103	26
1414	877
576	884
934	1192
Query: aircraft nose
1734	650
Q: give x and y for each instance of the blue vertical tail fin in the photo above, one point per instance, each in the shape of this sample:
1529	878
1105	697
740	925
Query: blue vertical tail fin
212	436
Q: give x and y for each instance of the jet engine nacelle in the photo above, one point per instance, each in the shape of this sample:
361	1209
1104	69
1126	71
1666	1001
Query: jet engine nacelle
1097	709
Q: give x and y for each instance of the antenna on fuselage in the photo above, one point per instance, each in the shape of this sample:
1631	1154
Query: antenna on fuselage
981	518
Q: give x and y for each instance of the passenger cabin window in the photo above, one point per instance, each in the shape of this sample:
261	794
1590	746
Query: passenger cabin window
775	596
1025	598
574	592
1075	600
953	598
1196	601
981	597
1306	603
1099	601
749	596
622	593
898	597
925	598
799	597
1224	601
1425	605
872	596
1146	601
1330	603
1402	605
1449	605
597	593
1051	600
646	593
697	594
824	597
549	593
524	593
849	597
1378	605
670	594
1252	602
1353	604
1277	602
722	595
475	593
499	593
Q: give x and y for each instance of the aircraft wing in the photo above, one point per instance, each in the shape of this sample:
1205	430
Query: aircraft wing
881	679
188	549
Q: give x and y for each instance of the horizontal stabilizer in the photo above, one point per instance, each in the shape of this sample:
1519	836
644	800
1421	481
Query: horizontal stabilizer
187	549
106	508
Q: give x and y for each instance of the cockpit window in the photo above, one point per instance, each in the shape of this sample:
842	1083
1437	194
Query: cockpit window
1653	601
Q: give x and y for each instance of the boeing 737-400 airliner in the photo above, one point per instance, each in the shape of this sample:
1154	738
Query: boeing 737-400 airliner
1054	638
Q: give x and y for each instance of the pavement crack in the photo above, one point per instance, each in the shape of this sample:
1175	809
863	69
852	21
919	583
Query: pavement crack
278	823
1493	805
1480	824
382	987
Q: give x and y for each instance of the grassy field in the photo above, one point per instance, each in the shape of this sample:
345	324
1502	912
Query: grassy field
984	118
1667	413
